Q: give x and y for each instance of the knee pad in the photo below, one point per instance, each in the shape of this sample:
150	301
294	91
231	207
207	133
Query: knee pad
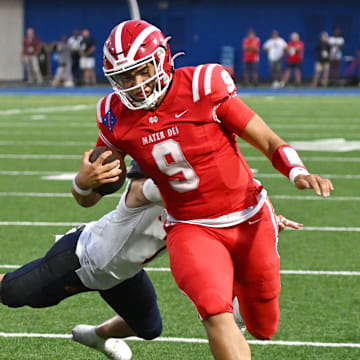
150	334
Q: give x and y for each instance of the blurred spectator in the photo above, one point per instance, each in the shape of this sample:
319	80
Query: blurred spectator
227	59
31	49
336	45
322	64
74	43
63	75
87	58
352	71
251	46
275	48
44	57
295	55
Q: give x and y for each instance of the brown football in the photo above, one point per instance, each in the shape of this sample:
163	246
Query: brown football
110	188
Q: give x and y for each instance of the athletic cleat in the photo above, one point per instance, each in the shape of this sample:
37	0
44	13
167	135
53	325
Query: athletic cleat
115	349
237	316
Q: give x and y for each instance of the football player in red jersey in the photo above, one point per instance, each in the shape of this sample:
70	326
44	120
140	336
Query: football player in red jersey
181	126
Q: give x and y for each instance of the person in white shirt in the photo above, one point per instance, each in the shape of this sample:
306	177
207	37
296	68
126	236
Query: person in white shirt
275	48
336	42
74	43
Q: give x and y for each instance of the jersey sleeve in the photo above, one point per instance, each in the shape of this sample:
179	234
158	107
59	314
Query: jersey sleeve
213	82
222	85
106	121
234	114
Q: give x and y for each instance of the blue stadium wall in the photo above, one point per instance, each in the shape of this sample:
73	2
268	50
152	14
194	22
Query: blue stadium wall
201	28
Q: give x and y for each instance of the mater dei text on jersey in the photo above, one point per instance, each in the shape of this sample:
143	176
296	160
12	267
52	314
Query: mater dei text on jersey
160	135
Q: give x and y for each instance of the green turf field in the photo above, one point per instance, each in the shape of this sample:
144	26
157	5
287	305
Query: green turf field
320	312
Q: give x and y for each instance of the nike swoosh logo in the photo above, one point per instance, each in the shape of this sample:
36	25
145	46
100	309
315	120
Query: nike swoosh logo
181	114
253	222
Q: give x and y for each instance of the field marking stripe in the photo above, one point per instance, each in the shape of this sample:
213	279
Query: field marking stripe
328	228
311	158
49	109
284	272
34	335
332	176
261	175
39	156
55	125
38	223
46	143
16	173
193	340
278	197
299	197
252	158
35	194
44	223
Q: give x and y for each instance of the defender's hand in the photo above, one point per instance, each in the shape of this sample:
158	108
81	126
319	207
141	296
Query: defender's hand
320	185
283	222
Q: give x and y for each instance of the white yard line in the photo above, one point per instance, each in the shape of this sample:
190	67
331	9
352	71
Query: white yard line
49	109
39	156
278	197
26	173
260	175
44	223
35	194
311	158
283	272
299	197
47	125
251	158
331	176
315	126
192	340
38	223
328	228
46	143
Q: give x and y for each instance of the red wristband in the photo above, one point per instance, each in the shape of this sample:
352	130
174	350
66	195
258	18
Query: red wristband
287	161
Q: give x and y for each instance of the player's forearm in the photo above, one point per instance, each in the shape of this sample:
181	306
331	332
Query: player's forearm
84	197
258	134
86	201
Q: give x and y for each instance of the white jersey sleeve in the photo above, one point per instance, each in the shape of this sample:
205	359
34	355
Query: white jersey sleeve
119	245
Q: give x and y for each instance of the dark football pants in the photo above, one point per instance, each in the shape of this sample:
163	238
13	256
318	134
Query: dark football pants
48	280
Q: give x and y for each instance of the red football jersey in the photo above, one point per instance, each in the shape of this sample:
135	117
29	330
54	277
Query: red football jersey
253	54
188	151
295	50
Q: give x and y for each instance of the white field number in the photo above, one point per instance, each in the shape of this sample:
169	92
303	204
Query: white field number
179	164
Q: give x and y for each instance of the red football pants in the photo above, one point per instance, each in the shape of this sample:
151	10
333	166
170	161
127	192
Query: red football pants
213	265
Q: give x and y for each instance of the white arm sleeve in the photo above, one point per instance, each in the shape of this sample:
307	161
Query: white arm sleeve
151	191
